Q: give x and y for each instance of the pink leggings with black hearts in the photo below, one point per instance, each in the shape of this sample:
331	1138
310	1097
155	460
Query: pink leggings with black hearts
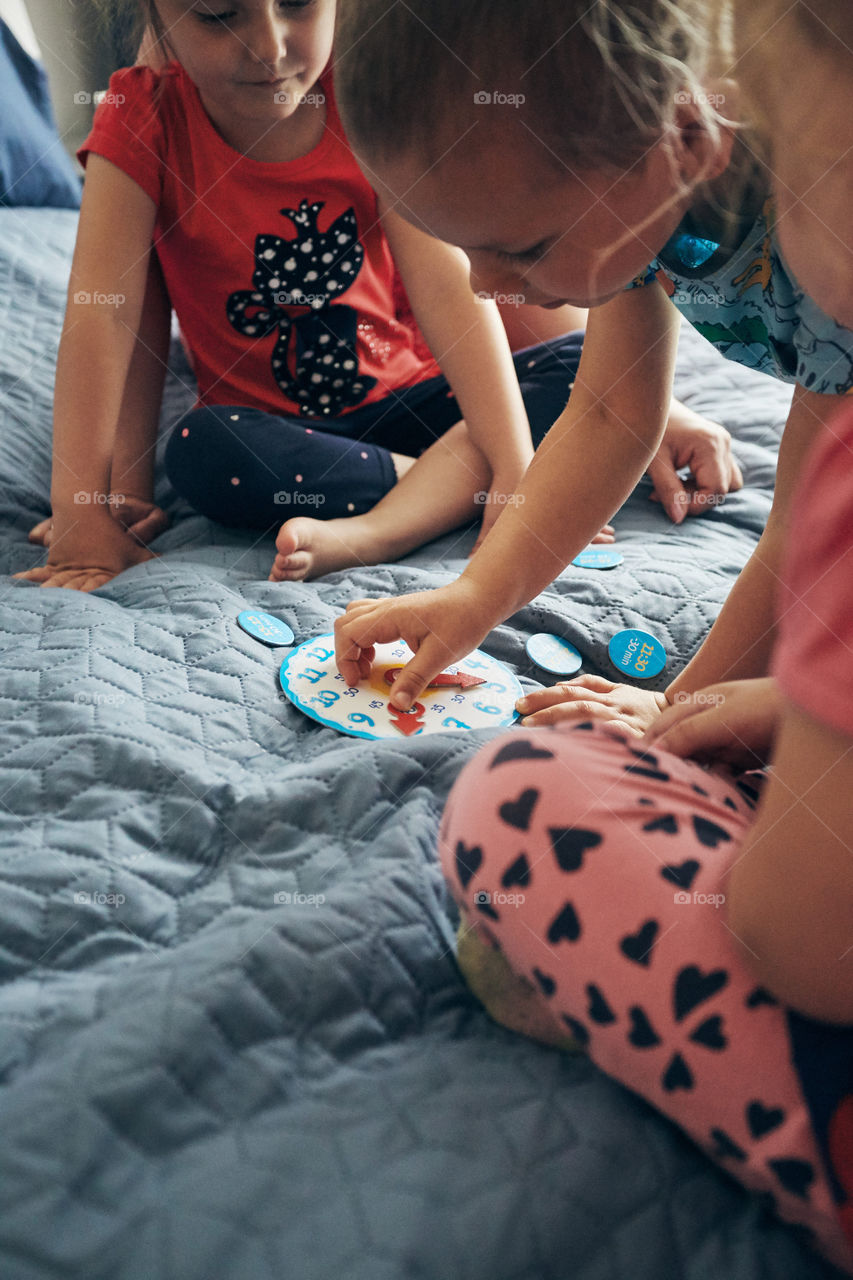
599	870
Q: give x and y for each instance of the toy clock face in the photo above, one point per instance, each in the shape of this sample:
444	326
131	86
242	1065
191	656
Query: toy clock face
477	693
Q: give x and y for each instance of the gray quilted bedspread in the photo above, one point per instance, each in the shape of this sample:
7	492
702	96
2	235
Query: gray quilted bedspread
197	1080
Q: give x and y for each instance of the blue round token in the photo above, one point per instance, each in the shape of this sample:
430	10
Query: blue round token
554	654
598	558
264	627
637	654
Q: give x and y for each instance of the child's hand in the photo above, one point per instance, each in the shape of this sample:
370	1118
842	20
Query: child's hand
84	556
703	446
42	532
439	626
734	722
142	519
616	706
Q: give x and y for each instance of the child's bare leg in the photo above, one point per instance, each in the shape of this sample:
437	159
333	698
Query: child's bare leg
434	495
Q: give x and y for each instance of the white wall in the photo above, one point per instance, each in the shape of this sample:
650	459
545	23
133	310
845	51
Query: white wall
77	57
14	14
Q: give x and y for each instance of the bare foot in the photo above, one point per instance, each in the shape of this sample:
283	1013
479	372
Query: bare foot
309	548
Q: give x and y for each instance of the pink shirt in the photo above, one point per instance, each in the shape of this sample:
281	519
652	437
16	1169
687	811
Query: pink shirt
813	658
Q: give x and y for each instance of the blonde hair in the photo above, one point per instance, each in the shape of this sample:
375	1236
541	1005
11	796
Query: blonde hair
600	82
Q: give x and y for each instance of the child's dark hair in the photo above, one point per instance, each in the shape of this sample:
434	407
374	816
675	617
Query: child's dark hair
599	81
127	21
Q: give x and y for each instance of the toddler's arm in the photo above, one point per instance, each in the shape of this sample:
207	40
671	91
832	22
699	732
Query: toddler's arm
739	644
582	472
690	440
106	293
132	481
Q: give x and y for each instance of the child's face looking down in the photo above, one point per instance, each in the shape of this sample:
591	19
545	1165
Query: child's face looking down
253	61
533	228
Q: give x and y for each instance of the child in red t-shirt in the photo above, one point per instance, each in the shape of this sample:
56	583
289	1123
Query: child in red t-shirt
317	390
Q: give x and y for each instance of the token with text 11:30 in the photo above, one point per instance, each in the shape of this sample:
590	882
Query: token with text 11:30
637	654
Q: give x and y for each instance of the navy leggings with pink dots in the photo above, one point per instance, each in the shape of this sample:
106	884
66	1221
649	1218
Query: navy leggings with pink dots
245	467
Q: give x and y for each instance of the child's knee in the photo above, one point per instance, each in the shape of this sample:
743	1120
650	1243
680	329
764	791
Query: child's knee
551	835
195	443
215	460
200	429
499	791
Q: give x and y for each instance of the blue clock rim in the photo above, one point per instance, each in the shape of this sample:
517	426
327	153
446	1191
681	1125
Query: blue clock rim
377	737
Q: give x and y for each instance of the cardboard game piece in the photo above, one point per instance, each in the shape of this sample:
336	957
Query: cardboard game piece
484	698
554	654
598	558
637	654
265	627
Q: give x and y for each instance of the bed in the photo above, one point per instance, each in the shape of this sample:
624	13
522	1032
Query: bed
234	1041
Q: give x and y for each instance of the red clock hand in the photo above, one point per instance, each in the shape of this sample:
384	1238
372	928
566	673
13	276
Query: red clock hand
447	679
408	722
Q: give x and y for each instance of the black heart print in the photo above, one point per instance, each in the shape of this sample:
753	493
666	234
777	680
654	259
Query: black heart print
638	946
517	813
570	844
467	862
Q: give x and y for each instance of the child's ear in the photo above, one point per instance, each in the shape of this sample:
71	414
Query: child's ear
704	155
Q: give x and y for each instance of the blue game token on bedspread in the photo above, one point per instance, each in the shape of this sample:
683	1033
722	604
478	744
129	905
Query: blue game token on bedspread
637	654
598	558
554	654
264	627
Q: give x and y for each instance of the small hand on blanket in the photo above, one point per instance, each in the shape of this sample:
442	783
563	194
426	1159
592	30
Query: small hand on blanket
142	519
615	706
85	554
706	449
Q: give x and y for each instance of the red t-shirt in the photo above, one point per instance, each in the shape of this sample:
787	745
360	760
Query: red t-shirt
281	277
813	656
